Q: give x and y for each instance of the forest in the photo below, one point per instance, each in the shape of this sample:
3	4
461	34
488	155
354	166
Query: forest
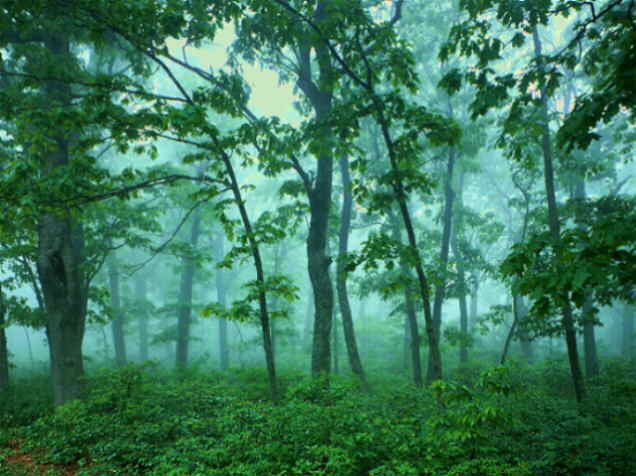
317	237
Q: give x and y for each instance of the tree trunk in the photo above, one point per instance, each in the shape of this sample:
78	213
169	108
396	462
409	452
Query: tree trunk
117	324
341	276
628	349
142	318
555	228
184	304
60	257
263	313
474	300
4	351
461	274
589	338
409	307
221	297
447	220
527	349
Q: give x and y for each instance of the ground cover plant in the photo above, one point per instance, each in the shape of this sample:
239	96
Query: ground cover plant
144	421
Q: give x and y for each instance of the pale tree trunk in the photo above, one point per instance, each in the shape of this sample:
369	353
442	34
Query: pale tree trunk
184	304
461	273
117	324
341	276
628	349
307	333
142	318
4	351
589	338
527	349
221	297
567	319
474	300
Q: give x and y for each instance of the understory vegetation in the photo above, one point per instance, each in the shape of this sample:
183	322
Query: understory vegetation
499	421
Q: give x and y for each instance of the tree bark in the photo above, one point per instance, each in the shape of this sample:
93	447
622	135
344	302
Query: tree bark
4	351
117	324
60	257
567	319
184	304
341	276
221	297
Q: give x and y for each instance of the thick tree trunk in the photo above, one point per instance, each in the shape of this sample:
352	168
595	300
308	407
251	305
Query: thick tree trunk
117	324
409	307
567	319
341	276
60	256
221	297
4	351
184	304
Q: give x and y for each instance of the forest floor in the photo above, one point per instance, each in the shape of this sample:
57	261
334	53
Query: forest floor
139	420
14	461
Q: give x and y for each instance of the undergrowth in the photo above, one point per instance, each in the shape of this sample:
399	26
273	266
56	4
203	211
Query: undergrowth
140	420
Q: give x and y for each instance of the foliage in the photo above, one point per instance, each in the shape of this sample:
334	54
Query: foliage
142	420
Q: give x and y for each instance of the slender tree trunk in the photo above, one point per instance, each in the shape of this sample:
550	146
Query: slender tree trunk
184	304
341	276
407	338
221	297
307	334
4	351
142	318
409	307
555	228
516	318
628	349
117	324
27	337
461	274
589	338
447	220
263	313
527	349
336	344
474	301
